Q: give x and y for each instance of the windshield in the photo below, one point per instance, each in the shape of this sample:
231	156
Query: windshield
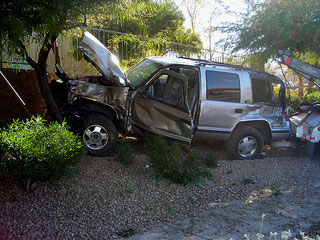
141	72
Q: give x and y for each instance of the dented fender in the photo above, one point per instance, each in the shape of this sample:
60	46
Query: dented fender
114	97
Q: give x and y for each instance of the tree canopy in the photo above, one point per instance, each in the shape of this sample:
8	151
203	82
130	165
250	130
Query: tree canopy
149	18
272	25
39	21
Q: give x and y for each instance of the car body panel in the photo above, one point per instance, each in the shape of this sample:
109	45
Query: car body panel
115	97
105	62
218	119
153	115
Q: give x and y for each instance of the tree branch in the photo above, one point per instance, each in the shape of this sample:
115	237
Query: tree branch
26	55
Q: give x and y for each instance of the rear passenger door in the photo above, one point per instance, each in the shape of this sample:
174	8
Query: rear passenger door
223	101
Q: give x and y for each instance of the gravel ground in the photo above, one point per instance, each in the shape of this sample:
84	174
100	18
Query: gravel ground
106	198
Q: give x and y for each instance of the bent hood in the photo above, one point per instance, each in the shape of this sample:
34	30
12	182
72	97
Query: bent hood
106	62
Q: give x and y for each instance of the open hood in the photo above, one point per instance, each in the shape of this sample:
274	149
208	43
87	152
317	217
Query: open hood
106	63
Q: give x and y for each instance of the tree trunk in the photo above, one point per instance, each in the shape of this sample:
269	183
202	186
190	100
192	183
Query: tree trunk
300	84
53	109
41	72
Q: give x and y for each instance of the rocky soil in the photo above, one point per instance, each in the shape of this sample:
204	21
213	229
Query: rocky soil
106	199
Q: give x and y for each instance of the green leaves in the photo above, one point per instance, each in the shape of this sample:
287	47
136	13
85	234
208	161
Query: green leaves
39	150
172	165
277	25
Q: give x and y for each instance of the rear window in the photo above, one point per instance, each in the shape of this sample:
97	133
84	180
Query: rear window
222	86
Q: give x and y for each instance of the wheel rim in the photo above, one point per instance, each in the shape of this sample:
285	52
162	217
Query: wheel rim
247	146
95	137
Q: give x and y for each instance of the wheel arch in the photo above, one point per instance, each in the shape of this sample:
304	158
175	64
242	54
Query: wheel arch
86	107
261	125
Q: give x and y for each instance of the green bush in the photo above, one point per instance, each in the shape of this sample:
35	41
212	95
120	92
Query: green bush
125	156
293	102
312	89
211	160
167	162
312	97
40	151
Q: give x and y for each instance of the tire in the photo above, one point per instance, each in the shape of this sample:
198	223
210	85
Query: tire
99	135
244	143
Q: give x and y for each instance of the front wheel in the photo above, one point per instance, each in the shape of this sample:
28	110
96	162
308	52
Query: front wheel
244	143
99	135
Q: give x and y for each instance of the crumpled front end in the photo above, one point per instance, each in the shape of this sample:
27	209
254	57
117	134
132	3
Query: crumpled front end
105	62
115	97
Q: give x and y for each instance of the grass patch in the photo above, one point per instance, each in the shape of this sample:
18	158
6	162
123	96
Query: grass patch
211	161
247	181
167	160
125	156
128	233
172	210
129	189
276	190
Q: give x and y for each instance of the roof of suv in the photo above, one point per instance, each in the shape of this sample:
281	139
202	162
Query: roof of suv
166	61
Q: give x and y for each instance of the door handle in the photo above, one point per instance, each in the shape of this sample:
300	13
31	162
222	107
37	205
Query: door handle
238	110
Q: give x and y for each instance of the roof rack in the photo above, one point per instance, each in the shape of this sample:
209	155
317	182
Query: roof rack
237	67
206	62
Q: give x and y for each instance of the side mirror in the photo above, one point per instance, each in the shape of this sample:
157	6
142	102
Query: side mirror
146	93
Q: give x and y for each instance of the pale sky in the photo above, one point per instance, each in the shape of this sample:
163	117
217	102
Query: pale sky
203	21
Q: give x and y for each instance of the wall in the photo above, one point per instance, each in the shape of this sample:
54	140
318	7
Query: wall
25	83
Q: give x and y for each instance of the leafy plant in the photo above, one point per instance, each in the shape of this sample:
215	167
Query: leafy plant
167	162
313	97
128	233
129	189
41	151
211	161
276	190
293	101
247	181
125	156
172	209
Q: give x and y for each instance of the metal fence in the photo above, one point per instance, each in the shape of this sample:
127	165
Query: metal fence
128	46
129	49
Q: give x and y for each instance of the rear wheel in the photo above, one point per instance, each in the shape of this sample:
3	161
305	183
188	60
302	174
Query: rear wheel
99	135
244	143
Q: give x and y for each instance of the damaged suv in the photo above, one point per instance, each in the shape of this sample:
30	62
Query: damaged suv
182	99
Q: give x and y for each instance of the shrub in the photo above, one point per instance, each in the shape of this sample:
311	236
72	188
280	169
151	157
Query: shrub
40	151
293	102
312	89
211	161
125	156
276	189
167	162
312	97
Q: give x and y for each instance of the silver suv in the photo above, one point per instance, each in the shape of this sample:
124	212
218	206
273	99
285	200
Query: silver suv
182	99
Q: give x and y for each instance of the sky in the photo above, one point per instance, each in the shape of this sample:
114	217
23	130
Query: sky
204	15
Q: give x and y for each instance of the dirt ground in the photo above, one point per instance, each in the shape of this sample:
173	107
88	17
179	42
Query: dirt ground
106	200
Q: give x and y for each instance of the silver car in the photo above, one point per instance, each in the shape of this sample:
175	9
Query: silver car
182	99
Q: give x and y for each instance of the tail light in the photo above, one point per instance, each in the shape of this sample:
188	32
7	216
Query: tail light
286	115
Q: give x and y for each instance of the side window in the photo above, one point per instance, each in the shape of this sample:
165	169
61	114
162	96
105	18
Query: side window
222	86
168	89
276	91
264	90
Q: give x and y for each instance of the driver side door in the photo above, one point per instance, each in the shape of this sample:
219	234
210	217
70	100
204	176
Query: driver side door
161	106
